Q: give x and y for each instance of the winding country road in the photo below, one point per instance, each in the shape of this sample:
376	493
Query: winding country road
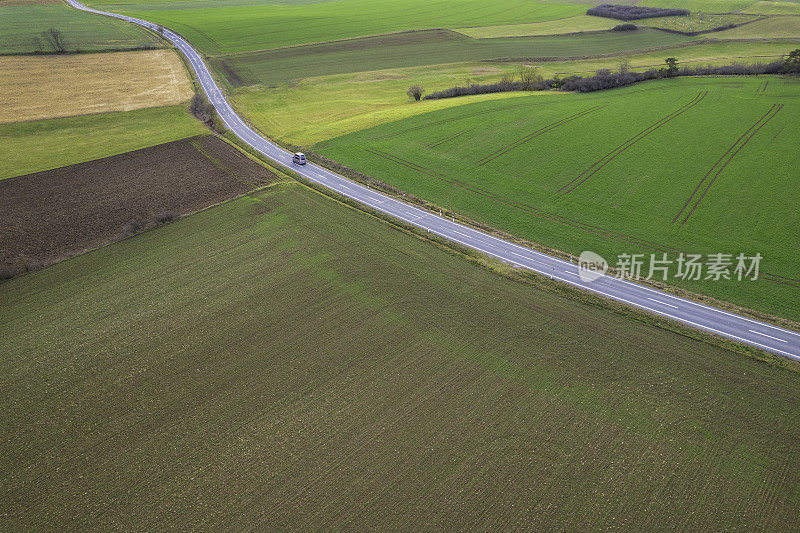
768	337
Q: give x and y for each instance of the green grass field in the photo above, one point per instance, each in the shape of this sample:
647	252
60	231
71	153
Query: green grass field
706	6
285	362
22	25
774	8
319	108
45	144
699	21
549	189
426	48
550	27
219	30
769	28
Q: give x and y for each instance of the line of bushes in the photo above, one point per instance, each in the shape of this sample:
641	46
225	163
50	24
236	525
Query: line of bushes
606	79
614	11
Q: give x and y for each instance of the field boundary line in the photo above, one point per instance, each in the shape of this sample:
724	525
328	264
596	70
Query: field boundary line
774	110
541	131
606	159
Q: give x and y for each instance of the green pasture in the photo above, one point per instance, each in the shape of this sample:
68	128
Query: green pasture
413	49
220	30
282	361
774	8
630	202
45	144
706	6
319	108
699	21
768	28
22	25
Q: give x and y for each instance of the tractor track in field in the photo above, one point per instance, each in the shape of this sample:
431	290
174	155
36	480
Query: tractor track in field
541	131
451	137
781	280
454	119
553	217
723	162
606	159
761	89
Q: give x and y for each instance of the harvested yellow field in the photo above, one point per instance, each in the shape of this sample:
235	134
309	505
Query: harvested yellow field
33	88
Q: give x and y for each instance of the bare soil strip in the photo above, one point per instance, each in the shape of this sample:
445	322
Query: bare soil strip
606	159
49	216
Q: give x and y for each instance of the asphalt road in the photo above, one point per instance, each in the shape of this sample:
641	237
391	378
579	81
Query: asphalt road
768	337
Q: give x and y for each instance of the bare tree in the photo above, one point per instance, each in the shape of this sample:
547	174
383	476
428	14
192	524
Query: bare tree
415	91
55	39
530	76
624	65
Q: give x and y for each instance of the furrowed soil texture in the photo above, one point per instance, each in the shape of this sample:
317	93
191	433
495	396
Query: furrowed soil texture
701	166
52	215
62	86
284	362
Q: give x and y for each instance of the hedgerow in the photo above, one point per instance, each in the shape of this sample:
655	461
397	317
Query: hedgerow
618	12
605	79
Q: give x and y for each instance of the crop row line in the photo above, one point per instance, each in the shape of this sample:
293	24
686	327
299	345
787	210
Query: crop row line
541	131
727	158
606	159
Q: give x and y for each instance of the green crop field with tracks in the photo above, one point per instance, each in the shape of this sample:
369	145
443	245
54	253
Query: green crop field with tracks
284	361
695	165
426	48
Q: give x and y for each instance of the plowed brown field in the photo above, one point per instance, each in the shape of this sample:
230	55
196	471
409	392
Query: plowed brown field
52	215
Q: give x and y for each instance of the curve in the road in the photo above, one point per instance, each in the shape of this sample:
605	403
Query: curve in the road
766	336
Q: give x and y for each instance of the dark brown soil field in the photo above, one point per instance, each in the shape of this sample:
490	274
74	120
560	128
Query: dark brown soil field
49	216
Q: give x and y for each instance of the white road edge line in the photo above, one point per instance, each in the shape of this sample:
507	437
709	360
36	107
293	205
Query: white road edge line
663	303
765	335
